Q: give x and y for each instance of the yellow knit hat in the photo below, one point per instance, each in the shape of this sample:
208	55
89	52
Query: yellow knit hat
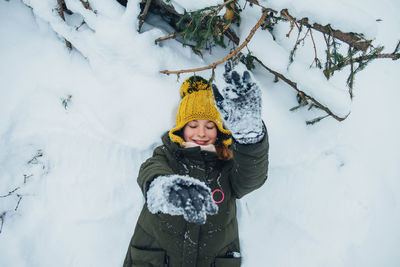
197	104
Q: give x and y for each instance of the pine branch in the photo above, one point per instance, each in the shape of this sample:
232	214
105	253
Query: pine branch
396	50
351	39
312	122
294	86
236	51
361	58
298	42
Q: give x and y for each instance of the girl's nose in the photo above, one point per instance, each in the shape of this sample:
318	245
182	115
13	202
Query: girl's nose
202	131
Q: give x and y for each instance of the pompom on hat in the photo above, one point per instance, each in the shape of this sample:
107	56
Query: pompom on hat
198	104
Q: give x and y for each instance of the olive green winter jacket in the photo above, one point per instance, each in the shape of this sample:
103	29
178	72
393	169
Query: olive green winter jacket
164	240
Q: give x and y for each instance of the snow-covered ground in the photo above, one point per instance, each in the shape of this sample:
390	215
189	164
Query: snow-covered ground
75	127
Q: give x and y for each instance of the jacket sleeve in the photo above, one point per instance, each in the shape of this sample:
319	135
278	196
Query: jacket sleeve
155	166
250	166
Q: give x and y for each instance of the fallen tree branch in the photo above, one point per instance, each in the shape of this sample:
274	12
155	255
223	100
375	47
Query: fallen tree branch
292	22
358	59
294	86
143	16
236	51
2	218
86	5
316	60
19	201
11	192
348	37
170	36
60	10
172	13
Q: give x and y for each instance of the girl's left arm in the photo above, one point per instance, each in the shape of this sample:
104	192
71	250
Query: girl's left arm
250	166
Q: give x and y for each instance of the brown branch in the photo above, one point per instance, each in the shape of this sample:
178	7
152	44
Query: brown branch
292	22
232	36
348	37
358	59
10	193
2	218
60	10
213	65
26	177
315	48
170	36
19	200
294	86
143	16
255	2
86	5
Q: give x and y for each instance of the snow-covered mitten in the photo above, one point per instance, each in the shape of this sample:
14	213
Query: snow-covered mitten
240	106
181	195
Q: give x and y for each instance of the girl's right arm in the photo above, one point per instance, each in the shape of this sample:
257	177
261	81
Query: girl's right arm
155	166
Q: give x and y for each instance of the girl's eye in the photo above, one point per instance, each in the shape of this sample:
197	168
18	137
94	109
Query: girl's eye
210	127
192	126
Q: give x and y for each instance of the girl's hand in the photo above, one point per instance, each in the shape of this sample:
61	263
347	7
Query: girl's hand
181	195
240	106
209	148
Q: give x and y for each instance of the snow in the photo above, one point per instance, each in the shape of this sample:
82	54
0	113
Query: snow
331	196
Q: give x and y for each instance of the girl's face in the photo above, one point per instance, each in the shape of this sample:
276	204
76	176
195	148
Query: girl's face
201	132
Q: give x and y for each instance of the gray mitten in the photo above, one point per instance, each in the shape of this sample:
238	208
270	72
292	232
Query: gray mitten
181	195
240	106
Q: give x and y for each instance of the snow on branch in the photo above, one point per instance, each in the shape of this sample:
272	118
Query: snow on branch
236	51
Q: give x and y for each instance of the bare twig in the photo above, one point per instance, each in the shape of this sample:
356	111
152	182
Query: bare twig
19	200
255	2
292	22
2	218
316	60
26	177
11	192
143	16
34	160
294	86
170	36
213	65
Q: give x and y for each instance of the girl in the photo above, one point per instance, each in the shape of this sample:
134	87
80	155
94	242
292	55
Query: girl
192	181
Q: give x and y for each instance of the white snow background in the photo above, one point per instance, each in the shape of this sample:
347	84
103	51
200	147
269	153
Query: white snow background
68	174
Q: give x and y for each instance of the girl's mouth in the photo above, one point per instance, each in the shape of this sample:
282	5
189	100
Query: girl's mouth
201	143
